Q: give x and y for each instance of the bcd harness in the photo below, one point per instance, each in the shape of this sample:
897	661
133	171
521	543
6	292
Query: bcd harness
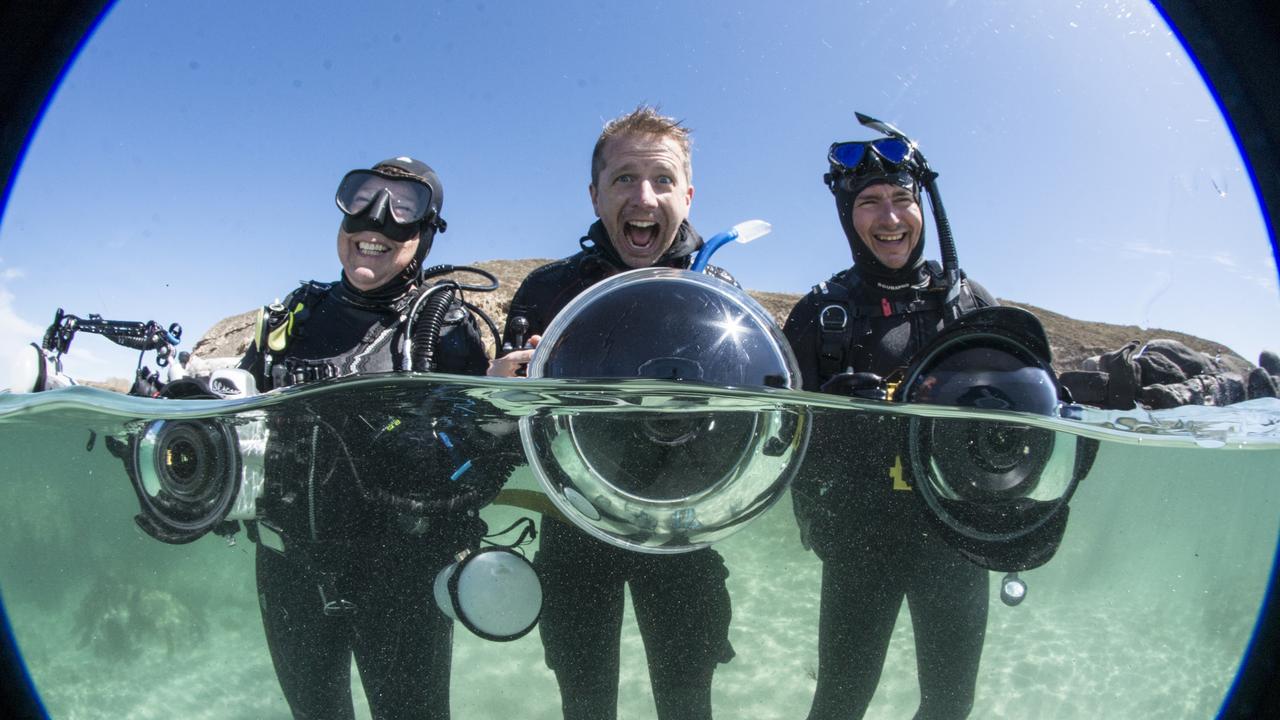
281	322
845	325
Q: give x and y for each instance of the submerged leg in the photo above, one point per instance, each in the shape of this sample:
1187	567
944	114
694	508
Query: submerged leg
860	602
581	623
403	643
683	609
948	605
310	651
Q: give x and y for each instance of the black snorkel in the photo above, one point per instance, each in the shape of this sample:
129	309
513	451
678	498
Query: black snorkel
946	243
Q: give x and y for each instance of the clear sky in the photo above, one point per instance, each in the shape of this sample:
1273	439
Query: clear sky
185	169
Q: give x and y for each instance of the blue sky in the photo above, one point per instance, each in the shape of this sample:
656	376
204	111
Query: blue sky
185	169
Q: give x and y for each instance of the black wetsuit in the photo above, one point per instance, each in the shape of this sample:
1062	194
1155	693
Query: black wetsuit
355	575
681	602
856	509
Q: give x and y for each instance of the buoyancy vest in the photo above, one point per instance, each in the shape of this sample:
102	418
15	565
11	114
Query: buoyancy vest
845	321
383	346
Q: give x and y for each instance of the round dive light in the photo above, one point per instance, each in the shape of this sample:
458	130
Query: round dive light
659	464
186	474
493	592
998	489
1012	590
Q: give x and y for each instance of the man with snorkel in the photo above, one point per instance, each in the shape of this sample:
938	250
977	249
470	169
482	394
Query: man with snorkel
856	509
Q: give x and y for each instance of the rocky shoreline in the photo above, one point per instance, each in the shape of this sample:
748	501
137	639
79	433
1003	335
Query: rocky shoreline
1074	342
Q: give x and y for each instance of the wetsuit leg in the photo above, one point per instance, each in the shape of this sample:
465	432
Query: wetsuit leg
682	606
310	651
581	623
402	642
948	601
861	596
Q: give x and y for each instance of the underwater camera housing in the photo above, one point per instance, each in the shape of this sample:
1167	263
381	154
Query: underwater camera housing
657	464
996	489
193	476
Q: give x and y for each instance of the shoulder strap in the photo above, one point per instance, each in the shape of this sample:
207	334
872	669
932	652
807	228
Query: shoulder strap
280	321
837	318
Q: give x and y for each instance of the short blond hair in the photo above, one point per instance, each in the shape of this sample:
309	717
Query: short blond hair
644	120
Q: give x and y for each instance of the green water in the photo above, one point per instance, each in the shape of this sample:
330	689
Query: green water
1144	612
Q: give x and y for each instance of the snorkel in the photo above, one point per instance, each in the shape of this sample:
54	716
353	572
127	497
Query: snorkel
742	233
928	178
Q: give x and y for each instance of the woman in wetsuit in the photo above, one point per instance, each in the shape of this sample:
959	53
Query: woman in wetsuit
365	501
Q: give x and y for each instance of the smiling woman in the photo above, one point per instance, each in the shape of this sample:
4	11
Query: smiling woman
204	142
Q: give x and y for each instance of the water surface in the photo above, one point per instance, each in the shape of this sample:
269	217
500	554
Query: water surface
1144	612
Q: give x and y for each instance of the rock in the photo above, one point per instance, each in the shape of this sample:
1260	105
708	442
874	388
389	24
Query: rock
1261	384
1269	361
229	337
1072	341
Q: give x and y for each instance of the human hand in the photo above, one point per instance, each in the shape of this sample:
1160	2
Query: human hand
513	364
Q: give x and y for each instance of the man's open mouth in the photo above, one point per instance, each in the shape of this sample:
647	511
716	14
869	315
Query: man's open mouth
640	233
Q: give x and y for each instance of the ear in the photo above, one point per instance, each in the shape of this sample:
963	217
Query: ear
688	200
595	204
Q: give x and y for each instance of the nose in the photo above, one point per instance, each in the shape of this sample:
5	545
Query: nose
379	205
889	214
645	194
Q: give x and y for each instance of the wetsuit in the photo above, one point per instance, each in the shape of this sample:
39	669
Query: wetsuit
343	470
681	602
856	509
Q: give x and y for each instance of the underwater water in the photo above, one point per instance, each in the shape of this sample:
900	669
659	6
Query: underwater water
1145	611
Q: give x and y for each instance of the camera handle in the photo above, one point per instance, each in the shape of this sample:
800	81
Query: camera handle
140	336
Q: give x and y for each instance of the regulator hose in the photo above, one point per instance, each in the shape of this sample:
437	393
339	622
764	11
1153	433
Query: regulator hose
427	320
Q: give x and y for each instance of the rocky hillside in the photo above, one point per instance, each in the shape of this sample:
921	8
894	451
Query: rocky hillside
1072	340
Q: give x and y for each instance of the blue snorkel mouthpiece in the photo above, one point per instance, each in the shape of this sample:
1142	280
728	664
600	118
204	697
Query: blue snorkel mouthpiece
743	233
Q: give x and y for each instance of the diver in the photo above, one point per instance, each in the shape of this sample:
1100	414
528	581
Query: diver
856	510
366	501
641	192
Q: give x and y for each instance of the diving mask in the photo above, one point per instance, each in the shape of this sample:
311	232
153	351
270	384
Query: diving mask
403	200
848	156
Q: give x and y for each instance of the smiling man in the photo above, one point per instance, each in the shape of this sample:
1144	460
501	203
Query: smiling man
856	509
641	190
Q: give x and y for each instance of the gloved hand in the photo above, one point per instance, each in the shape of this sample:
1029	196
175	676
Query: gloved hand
865	385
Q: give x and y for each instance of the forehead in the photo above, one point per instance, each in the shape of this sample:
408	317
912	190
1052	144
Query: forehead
643	148
884	190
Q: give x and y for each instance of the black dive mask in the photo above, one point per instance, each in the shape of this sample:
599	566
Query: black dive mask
403	200
397	199
388	228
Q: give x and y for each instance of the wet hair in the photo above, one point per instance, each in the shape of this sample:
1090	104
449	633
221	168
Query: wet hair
644	120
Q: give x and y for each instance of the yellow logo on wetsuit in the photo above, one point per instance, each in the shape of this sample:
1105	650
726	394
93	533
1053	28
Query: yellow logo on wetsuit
899	477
